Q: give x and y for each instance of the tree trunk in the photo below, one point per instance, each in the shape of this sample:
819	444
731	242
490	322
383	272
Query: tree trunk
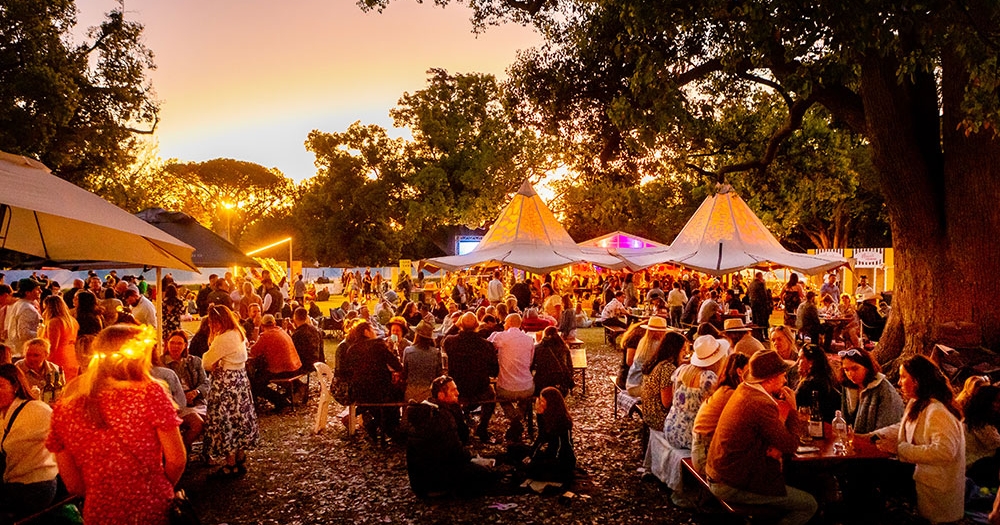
940	193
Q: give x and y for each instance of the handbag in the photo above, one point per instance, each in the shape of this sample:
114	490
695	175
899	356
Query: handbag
3	453
180	511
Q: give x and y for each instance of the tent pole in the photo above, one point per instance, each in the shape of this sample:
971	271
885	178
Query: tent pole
159	307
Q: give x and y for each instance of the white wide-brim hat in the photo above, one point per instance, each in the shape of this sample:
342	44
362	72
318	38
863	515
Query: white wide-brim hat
708	350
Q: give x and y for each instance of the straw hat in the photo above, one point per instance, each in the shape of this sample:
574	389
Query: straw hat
735	325
397	320
424	329
765	365
656	323
708	350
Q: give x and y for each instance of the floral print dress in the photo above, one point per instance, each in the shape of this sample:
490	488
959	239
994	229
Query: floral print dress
687	400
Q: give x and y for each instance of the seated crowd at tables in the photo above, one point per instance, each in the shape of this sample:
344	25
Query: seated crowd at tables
433	373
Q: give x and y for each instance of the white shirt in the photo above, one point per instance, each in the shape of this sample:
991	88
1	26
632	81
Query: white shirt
676	297
515	350
144	312
614	308
23	321
28	461
495	291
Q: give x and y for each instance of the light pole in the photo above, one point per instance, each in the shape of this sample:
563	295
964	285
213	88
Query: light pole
228	206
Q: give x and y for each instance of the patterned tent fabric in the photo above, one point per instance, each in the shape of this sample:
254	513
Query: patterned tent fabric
625	246
526	236
725	236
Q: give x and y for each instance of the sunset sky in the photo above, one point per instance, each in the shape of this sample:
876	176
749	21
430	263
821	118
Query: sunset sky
249	79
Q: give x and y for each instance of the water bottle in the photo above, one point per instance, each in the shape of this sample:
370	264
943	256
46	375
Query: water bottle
839	433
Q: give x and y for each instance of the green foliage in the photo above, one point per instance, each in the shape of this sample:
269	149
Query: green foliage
349	213
77	108
229	195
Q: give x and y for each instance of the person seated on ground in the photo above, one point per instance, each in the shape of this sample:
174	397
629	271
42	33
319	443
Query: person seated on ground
656	329
274	357
741	337
45	378
567	317
194	382
340	313
708	415
757	427
873	324
690	313
308	341
817	380
614	312
472	361
397	338
982	440
29	475
581	318
439	310
969	388
422	362
411	314
692	384
552	363
867	400
367	367
930	436
783	342
437	462
551	457
426	316
448	327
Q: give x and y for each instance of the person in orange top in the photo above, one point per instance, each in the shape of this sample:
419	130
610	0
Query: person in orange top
274	357
60	331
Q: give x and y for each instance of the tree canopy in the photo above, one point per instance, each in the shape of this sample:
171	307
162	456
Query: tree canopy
76	107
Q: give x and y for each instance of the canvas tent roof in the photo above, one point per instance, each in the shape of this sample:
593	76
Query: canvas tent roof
210	250
625	246
58	222
526	236
725	236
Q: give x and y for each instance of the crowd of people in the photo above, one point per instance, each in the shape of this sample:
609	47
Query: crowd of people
95	402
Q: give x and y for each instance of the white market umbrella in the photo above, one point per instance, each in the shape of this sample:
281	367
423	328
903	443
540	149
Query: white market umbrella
61	223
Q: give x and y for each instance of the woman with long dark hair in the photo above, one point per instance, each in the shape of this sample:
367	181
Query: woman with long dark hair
867	399
982	439
817	379
552	457
657	388
88	315
930	436
552	363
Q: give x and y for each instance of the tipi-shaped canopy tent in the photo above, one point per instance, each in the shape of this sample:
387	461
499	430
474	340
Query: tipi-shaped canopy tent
525	236
624	246
210	250
725	236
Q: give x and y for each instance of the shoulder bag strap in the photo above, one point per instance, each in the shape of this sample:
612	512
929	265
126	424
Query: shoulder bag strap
10	422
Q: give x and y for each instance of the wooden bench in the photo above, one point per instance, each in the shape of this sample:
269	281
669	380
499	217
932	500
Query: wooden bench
287	385
623	399
611	334
751	512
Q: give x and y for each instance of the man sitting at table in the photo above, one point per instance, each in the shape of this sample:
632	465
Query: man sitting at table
808	323
709	312
872	322
742	338
830	287
274	357
758	426
614	310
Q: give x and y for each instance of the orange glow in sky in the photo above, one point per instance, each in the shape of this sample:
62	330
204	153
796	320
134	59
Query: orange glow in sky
249	79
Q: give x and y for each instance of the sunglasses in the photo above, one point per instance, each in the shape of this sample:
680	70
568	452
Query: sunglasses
849	353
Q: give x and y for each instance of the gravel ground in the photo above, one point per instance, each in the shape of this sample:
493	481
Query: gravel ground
297	477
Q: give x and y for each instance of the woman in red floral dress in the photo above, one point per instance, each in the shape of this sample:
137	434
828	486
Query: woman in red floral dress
116	437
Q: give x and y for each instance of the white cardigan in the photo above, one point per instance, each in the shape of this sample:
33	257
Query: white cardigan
935	443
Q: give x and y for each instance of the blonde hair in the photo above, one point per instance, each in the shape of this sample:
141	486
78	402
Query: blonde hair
221	319
121	352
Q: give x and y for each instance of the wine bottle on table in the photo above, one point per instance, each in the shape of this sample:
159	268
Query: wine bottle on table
816	418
